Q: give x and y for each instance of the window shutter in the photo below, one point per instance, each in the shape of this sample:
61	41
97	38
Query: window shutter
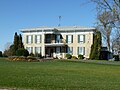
83	50
71	38
35	38
40	50
84	38
66	38
78	50
71	50
78	38
31	38
27	39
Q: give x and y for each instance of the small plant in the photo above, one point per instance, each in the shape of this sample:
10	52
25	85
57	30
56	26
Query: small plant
74	57
31	54
80	56
38	55
68	56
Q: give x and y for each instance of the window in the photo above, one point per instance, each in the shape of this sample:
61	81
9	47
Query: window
81	38
30	49
58	39
70	50
29	39
69	38
37	38
38	50
57	50
81	50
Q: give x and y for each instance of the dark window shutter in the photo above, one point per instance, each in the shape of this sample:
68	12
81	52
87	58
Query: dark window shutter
78	50
35	38
72	49
71	38
66	38
31	38
78	38
84	38
27	39
83	50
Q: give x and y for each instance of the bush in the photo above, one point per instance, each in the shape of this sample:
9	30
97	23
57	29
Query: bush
80	56
31	54
22	52
74	57
116	57
1	54
68	56
38	55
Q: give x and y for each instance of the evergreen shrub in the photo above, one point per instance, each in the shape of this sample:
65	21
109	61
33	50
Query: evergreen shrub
74	57
80	56
22	52
68	56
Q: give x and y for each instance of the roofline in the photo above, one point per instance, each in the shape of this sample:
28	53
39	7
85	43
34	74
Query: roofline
63	28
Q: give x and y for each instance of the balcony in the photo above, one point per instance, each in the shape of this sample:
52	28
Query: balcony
60	42
54	40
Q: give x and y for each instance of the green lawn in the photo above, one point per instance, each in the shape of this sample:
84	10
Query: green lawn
59	75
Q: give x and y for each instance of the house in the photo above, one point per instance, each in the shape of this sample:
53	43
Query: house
57	41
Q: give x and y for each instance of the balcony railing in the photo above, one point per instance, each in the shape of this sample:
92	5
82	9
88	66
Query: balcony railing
56	41
60	42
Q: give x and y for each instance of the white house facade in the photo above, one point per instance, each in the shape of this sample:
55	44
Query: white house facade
57	41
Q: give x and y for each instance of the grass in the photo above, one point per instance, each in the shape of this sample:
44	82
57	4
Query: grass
59	75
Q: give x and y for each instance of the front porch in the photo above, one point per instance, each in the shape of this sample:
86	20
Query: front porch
55	52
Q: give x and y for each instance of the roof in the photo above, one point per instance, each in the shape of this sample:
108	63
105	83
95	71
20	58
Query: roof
59	28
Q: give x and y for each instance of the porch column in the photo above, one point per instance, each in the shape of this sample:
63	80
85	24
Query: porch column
43	44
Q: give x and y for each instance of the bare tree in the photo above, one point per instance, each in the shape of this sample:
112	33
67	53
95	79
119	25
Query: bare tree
105	26
7	45
113	6
116	42
109	18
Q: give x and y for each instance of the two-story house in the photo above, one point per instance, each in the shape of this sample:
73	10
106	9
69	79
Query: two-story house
57	41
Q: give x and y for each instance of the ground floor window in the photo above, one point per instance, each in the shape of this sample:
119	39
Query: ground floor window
37	50
57	50
30	49
81	50
70	50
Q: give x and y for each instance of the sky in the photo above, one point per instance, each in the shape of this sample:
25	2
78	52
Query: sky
19	14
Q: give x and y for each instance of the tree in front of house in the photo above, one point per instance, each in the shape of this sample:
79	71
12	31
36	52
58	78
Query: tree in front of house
17	48
96	47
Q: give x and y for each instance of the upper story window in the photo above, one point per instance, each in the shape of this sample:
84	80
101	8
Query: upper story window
81	38
81	50
58	38
29	39
38	39
69	38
